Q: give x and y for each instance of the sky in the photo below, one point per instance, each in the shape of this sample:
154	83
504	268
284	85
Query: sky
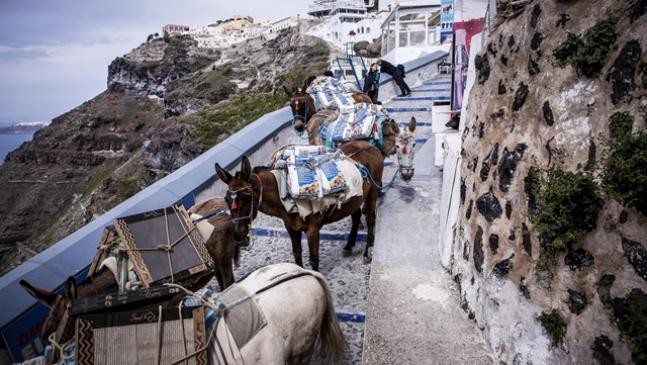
54	54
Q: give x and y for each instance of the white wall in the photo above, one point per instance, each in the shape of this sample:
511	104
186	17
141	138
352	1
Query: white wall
336	32
449	207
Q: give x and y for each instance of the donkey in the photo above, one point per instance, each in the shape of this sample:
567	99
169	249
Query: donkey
250	192
223	246
290	336
297	325
396	140
303	105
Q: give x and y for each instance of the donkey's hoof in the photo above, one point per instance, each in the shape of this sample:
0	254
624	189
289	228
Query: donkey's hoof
346	252
367	260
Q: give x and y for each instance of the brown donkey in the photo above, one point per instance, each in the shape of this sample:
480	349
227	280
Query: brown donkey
303	105
223	243
250	192
223	247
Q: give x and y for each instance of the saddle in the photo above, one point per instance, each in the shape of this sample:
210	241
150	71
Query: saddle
329	92
363	123
311	179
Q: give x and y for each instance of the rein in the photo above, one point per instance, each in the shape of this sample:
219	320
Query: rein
252	212
303	117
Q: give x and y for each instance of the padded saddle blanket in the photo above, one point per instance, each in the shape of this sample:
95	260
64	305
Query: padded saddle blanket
311	179
328	91
360	124
236	325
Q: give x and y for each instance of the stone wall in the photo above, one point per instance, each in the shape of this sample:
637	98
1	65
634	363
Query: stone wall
550	246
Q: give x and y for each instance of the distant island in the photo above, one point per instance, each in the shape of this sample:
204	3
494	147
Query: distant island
23	127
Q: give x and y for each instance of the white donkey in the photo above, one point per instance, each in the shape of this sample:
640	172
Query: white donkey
300	315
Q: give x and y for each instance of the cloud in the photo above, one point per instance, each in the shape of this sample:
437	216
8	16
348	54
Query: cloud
55	54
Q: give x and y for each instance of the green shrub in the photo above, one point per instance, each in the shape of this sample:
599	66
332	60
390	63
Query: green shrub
554	325
620	125
567	208
624	175
588	53
238	111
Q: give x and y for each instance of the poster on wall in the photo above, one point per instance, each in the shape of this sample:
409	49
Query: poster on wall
446	20
463	32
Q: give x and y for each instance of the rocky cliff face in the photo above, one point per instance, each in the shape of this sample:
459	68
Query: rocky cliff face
167	102
550	249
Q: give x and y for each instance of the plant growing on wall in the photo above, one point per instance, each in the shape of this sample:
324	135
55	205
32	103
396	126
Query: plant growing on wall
624	175
567	206
589	52
554	325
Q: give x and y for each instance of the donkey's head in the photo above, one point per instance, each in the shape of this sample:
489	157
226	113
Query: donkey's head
405	149
302	106
243	197
390	132
57	304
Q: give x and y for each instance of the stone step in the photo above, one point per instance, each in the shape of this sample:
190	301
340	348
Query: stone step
418	123
421	98
422	90
437	82
407	110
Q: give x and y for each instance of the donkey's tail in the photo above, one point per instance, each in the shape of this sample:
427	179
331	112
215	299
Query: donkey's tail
331	337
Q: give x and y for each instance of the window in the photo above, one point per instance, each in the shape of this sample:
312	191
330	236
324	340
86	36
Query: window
404	35
417	38
368	29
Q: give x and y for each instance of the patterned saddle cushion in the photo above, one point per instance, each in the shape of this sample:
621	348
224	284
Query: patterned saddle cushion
312	172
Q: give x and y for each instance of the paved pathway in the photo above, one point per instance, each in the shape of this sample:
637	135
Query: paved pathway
414	315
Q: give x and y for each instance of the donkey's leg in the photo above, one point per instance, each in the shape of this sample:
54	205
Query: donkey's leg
313	246
218	275
371	208
228	273
356	216
295	236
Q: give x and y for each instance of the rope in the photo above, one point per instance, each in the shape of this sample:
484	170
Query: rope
158	356
168	242
59	348
179	310
214	213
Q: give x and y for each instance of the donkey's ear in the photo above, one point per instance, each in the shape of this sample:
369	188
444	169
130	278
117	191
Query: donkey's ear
245	169
308	81
412	124
287	91
48	298
223	174
70	289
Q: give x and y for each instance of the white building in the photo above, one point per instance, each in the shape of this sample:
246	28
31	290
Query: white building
411	30
346	22
279	25
226	33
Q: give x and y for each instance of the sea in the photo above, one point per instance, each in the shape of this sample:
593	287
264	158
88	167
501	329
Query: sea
9	142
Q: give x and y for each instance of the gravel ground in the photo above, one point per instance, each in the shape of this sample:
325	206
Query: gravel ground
347	276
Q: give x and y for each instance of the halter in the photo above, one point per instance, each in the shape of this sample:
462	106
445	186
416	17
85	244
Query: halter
400	153
253	212
303	117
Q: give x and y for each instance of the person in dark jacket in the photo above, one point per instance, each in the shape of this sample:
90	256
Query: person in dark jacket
372	82
396	73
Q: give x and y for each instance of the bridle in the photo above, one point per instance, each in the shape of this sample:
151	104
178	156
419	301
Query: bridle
233	207
306	110
403	151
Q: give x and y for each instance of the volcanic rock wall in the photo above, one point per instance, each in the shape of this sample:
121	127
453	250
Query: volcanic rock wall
550	246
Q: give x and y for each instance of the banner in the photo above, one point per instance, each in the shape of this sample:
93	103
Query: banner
446	20
463	32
